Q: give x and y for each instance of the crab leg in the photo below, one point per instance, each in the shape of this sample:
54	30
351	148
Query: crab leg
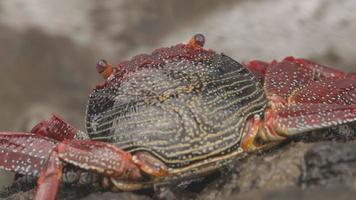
320	71
327	91
293	69
293	120
324	103
321	104
283	78
96	156
49	181
296	119
32	154
24	153
303	96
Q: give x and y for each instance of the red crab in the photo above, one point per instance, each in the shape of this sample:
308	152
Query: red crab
179	113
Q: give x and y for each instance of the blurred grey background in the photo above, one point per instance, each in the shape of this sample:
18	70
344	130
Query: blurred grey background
48	48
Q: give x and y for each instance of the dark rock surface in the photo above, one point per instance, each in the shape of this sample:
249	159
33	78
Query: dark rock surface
319	165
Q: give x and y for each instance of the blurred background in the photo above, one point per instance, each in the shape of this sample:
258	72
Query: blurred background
49	48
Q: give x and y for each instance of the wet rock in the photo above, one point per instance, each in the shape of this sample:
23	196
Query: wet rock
296	194
279	168
330	164
114	196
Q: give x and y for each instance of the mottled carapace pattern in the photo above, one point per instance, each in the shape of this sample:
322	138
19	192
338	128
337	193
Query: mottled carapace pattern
182	105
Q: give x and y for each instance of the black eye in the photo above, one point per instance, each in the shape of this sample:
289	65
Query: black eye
101	65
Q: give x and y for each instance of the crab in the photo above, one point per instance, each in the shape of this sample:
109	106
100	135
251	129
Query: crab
179	113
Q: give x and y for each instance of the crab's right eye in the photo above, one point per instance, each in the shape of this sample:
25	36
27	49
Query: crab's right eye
104	68
197	41
101	65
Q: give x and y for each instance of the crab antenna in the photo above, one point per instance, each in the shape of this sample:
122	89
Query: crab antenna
104	68
197	41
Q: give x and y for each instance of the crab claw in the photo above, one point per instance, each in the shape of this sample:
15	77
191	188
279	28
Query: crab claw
55	128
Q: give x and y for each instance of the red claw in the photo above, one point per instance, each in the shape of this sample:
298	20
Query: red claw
55	128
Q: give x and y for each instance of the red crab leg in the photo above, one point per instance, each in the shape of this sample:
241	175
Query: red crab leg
324	103
24	153
259	68
30	154
327	91
282	78
296	119
96	156
320	70
49	181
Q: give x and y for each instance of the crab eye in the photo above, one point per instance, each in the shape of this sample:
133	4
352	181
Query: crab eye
197	41
101	65
104	68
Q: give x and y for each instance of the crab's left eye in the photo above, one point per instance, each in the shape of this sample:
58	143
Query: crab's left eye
101	65
104	68
199	39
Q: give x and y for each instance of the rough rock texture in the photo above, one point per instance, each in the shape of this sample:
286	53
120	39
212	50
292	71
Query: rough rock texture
318	165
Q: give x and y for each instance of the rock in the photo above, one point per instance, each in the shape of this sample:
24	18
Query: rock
114	196
296	194
329	165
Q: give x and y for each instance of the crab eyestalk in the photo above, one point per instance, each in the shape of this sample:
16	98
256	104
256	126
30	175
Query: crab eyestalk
104	68
197	41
